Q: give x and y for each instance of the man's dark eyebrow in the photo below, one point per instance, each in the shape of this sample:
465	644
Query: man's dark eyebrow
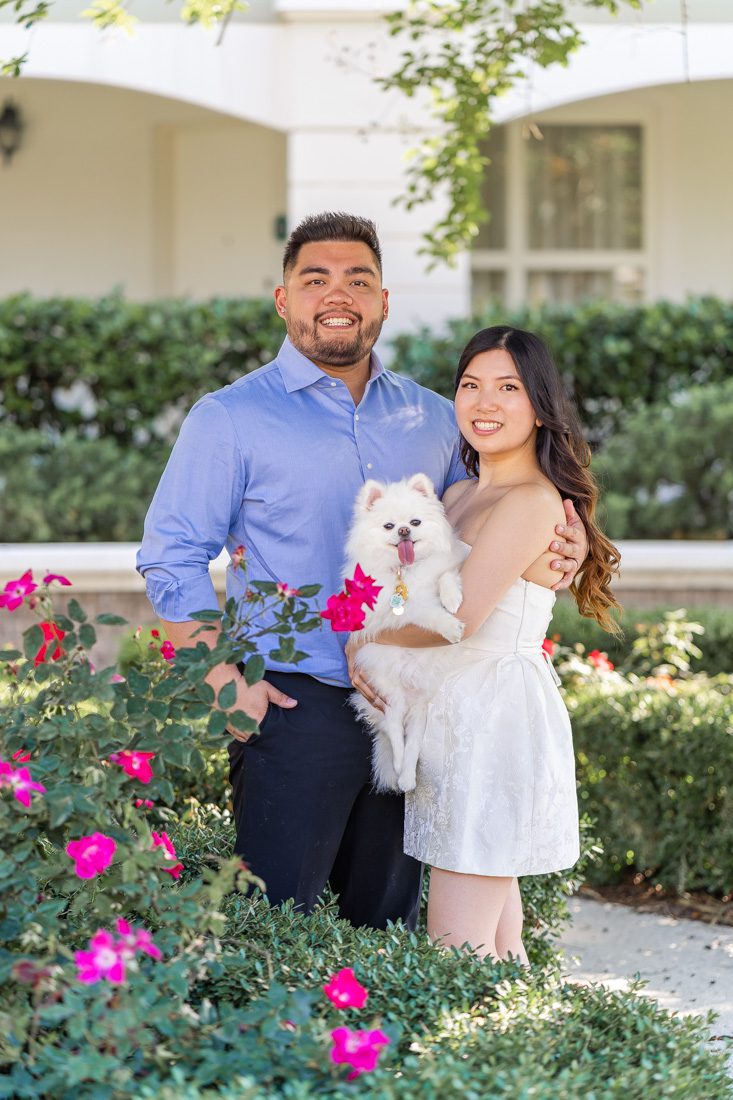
312	269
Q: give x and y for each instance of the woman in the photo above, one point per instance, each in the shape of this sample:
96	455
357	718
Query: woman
495	794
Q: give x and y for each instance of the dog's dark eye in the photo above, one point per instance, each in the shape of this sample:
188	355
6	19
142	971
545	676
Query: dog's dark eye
388	526
415	522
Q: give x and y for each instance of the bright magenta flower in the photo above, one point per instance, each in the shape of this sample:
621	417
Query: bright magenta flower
344	611
104	959
363	587
549	647
359	1049
16	591
91	854
135	764
162	840
144	802
51	633
57	577
132	940
21	756
600	660
343	990
168	651
21	782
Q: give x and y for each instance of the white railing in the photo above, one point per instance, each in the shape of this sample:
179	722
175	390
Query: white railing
110	566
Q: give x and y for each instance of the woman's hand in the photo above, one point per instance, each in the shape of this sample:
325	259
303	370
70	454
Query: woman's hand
360	682
572	545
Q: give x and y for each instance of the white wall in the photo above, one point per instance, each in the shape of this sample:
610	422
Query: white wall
118	188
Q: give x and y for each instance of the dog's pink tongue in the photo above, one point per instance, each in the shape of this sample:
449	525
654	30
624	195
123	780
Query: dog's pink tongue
406	551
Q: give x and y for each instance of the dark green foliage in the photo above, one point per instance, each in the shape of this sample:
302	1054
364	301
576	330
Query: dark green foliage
611	357
72	489
655	769
668	470
136	361
716	643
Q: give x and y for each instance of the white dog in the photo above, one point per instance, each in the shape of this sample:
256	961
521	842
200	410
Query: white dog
400	536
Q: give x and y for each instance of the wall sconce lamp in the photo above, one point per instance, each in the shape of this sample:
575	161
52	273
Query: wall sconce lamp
11	130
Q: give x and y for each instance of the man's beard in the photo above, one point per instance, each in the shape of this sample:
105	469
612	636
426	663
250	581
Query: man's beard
343	351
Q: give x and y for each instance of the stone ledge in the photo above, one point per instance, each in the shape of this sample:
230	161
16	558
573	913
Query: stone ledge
110	566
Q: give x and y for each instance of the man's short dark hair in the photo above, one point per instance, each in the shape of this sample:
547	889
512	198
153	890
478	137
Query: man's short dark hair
331	226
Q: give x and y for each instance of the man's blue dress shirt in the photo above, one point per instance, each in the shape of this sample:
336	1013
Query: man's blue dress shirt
274	462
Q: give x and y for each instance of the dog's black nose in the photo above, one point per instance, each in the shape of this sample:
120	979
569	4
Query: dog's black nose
404	532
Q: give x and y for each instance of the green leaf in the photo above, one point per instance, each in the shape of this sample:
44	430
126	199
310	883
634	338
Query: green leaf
87	635
308	590
76	611
137	682
10	654
32	641
218	722
206	616
227	697
107	619
254	670
241	721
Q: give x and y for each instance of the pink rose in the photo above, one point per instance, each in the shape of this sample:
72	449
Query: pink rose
135	764
359	1049
344	611
91	854
362	587
16	591
343	990
162	840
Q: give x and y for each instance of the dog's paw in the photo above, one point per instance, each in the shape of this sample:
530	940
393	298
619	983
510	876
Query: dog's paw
452	629
450	591
407	780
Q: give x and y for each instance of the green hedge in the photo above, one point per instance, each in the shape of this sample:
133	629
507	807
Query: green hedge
668	471
655	772
716	643
611	356
133	360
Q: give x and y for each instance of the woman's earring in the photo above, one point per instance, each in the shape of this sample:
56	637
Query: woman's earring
538	423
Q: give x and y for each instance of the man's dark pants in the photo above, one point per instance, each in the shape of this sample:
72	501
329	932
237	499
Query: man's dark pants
306	813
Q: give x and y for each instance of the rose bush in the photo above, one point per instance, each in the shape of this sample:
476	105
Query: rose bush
137	959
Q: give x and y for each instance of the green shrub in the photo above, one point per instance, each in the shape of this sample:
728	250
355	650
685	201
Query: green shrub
234	1008
716	643
655	773
611	357
667	472
66	488
128	370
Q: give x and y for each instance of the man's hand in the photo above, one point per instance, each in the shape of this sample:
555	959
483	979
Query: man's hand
572	545
254	701
360	682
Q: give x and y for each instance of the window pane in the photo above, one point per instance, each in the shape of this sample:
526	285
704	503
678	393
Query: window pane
487	287
624	284
585	187
492	234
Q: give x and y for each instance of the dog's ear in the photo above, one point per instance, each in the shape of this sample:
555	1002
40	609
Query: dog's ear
423	484
370	492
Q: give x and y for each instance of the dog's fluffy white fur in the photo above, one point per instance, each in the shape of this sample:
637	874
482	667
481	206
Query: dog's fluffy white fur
404	677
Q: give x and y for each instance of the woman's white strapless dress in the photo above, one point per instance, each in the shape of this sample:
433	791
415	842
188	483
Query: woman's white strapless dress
496	790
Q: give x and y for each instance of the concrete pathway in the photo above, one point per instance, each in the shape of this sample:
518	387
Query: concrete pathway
687	965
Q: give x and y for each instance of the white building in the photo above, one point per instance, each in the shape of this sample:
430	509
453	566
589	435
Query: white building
164	164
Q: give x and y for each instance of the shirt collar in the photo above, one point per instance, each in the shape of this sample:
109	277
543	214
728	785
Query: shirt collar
298	371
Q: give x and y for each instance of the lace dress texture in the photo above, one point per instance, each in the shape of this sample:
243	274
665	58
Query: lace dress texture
495	790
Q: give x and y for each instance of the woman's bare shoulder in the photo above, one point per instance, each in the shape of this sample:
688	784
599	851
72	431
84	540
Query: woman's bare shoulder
458	489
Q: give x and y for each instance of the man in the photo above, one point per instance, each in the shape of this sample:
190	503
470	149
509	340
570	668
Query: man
274	462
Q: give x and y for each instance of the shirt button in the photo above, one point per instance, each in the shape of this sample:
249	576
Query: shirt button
356	417
369	465
333	383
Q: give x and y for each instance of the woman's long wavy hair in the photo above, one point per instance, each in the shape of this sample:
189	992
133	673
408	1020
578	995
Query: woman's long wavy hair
562	454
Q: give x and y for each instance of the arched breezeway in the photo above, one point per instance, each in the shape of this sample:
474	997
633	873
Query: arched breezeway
115	188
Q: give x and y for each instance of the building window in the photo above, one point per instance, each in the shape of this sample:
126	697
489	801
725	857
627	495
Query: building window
567	215
584	187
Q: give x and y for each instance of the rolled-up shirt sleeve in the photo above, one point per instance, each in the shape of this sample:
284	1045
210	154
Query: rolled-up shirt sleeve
194	508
